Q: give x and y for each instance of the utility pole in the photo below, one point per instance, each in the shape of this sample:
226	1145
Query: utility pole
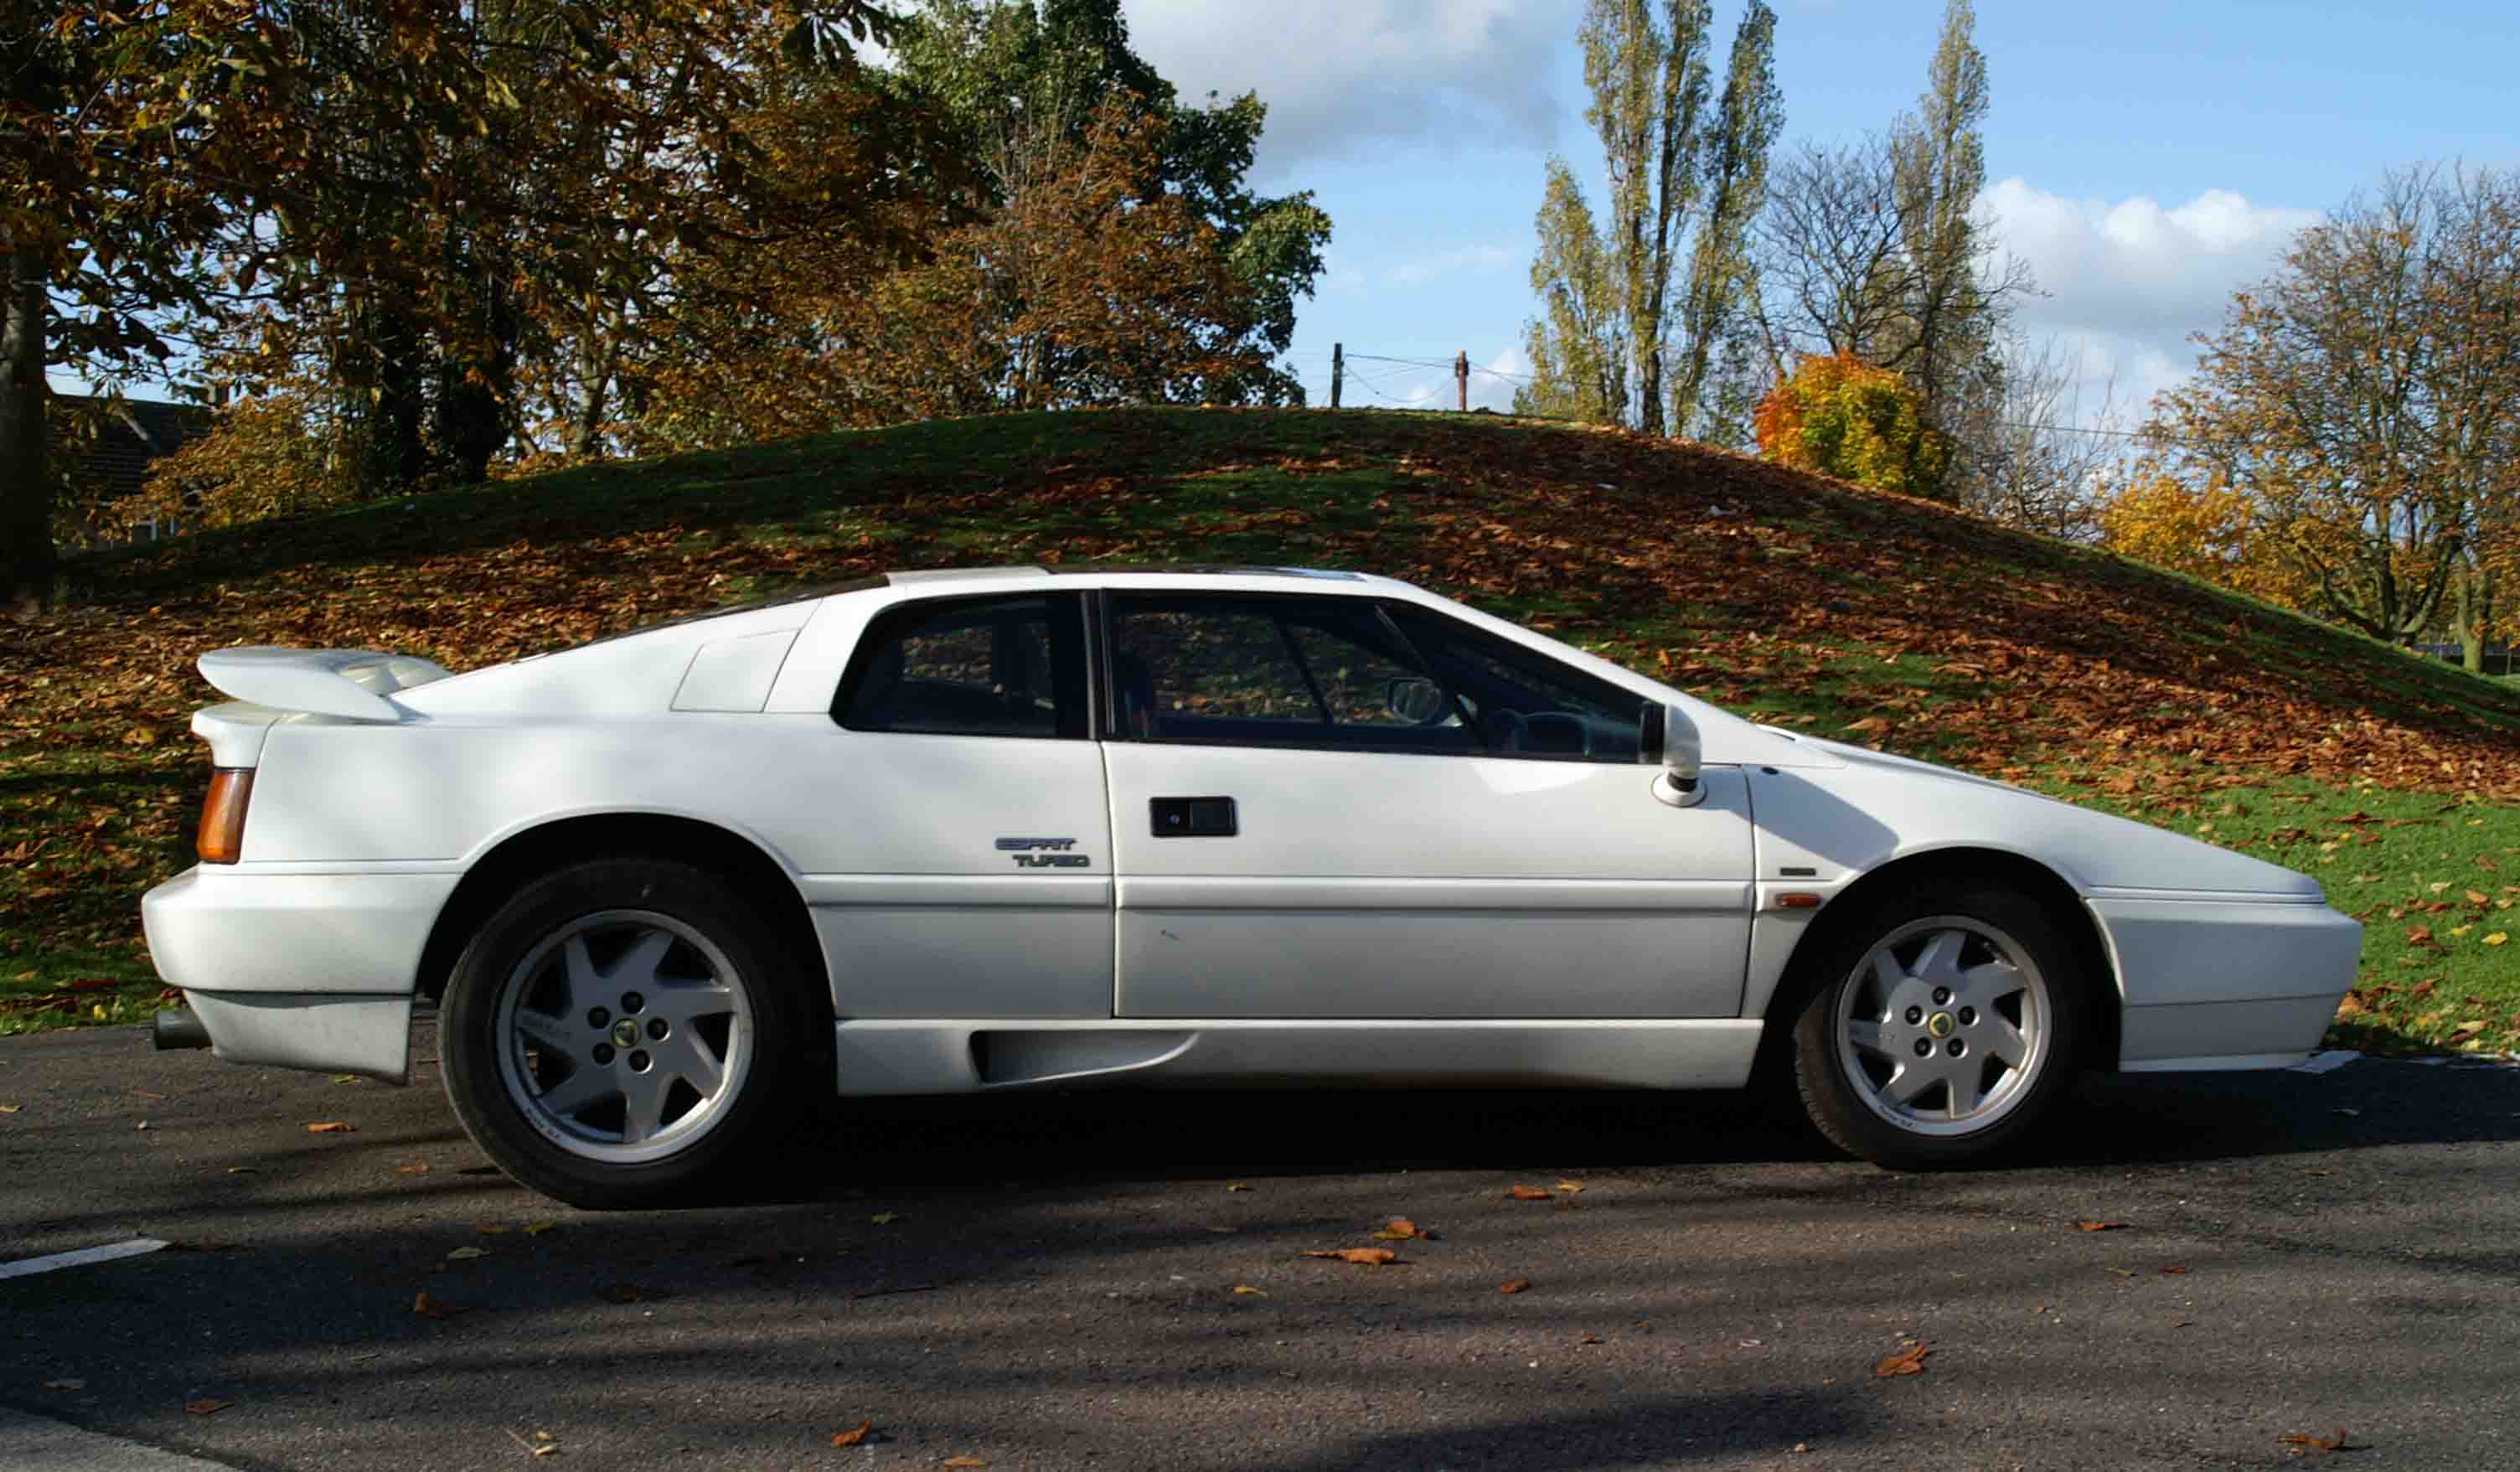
1338	371
1462	379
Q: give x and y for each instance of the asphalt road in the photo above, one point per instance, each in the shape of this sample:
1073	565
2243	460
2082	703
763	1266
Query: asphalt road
1052	1282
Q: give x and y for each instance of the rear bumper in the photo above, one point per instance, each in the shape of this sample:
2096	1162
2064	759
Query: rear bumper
2225	983
299	970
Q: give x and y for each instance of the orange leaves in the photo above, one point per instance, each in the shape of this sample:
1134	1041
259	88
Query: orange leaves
438	1308
332	1127
1840	416
1363	1257
1907	1361
206	1406
1514	1285
2301	1443
1402	1230
1530	1193
2100	1227
854	1436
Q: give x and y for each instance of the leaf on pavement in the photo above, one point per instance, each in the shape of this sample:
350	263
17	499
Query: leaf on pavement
438	1308
11	1108
465	1254
1530	1193
1515	1285
1570	1187
1907	1361
65	1385
207	1408
965	1461
418	1168
885	1218
146	1093
2174	1269
1590	1339
2301	1442
1399	1229
537	1229
1363	1257
1236	1185
1246	1290
2100	1227
854	1436
332	1127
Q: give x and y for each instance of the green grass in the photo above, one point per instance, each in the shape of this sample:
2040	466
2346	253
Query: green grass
1825	608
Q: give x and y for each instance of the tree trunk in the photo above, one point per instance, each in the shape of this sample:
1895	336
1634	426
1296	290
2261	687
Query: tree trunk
25	471
2468	619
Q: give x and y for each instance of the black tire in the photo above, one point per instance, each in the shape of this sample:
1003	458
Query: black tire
1849	1089
517	1026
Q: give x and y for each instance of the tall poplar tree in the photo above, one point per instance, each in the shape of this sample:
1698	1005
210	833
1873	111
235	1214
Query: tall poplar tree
1673	168
1938	167
1721	279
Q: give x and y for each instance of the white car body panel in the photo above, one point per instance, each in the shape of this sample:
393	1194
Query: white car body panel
1460	916
1478	886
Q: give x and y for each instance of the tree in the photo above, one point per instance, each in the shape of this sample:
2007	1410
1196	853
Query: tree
2365	399
2030	447
1872	247
1578	346
2209	532
1664	156
1721	278
1021	84
1840	416
1938	167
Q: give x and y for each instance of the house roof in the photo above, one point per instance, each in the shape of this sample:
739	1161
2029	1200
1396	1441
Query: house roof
135	433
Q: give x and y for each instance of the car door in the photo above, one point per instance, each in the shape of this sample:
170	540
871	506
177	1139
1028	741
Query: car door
960	867
1327	807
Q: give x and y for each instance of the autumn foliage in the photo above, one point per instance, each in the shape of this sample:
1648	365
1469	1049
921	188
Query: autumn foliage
1839	415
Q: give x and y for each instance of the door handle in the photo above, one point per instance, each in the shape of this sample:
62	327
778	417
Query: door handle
1192	816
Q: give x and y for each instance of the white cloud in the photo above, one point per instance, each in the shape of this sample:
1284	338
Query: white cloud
2126	283
1341	75
1425	269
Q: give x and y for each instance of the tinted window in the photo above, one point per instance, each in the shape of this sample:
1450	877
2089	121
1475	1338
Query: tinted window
1275	672
1521	700
1006	667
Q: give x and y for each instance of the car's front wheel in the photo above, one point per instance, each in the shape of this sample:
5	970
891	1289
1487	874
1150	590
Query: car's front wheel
617	1034
1940	1026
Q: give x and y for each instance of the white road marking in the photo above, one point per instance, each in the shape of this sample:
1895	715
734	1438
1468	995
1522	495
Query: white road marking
35	1444
27	1266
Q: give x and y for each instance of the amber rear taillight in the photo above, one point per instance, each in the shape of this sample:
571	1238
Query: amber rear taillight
222	836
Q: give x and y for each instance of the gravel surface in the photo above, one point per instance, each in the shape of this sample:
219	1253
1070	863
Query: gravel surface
1057	1281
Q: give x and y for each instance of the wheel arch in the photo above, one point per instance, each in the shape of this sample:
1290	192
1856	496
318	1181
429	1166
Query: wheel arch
528	853
2032	878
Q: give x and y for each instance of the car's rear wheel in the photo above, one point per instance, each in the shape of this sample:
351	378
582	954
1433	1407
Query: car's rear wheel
621	1032
1940	1026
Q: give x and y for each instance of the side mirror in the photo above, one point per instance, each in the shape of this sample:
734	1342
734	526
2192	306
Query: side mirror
1668	738
1415	700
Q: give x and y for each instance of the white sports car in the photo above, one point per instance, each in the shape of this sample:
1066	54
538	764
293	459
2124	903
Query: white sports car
1015	827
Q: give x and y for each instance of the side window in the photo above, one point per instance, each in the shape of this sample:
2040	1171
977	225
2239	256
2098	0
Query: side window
1300	672
1001	666
1522	701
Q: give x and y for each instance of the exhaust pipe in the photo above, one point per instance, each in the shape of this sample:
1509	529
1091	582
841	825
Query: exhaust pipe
177	1029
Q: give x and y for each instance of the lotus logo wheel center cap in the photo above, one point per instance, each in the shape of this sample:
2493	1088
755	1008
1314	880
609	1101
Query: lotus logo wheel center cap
1940	1024
625	1034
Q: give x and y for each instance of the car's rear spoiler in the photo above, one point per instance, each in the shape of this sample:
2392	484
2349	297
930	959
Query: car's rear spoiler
351	683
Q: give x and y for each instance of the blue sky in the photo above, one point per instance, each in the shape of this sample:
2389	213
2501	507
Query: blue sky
2146	158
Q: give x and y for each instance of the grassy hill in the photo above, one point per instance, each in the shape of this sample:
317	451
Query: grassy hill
1819	605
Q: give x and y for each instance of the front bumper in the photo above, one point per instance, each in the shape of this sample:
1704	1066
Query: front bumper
2222	981
299	970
